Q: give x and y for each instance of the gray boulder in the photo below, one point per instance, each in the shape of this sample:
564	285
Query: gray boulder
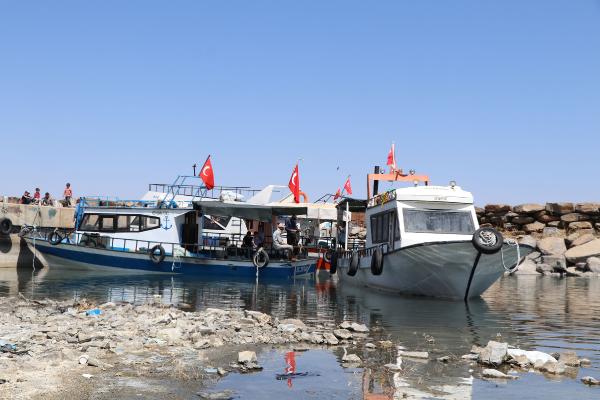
522	220
593	265
552	246
582	239
495	374
583	252
588	208
528	240
534	227
544	269
557	262
580	225
527	267
495	353
574	217
551	231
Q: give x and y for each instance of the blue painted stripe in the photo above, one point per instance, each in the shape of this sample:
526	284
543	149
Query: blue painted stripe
145	264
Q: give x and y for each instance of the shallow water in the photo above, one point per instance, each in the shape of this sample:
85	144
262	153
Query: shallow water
529	312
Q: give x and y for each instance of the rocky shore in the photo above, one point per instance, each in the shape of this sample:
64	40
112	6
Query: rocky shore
566	236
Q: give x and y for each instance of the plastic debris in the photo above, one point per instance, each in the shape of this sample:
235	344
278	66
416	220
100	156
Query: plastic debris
93	311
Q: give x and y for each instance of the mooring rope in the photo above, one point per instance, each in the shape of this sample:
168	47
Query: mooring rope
511	242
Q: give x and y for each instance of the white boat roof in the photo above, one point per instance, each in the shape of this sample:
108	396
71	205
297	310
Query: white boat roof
445	194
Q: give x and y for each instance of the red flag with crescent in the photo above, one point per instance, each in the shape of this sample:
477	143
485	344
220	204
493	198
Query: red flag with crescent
207	174
391	158
348	186
294	184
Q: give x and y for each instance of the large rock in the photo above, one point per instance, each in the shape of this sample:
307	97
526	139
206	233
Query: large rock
533	357
494	353
414	354
342	334
547	219
529	208
528	240
580	225
552	246
527	267
592	264
544	269
588	208
569	358
495	374
583	252
246	357
574	217
582	239
522	220
556	261
534	227
497	208
551	231
559	208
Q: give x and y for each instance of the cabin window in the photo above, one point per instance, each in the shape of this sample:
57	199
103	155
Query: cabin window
382	225
216	223
118	223
438	221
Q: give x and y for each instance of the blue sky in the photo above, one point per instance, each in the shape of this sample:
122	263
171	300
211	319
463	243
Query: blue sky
501	96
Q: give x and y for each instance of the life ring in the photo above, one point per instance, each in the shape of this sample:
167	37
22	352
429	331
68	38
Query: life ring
6	226
377	262
304	196
54	238
157	258
354	261
327	255
260	259
333	261
487	240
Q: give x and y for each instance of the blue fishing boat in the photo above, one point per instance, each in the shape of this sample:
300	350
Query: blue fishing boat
187	230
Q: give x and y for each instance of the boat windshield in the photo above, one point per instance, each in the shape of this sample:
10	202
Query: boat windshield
438	221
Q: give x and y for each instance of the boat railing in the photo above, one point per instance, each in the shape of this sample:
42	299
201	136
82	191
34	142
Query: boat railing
115	202
195	191
213	245
365	251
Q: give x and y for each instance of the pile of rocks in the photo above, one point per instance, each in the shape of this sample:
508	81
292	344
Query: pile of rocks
75	335
565	235
498	354
534	218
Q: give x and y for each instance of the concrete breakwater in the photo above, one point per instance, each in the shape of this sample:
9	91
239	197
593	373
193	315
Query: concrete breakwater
565	235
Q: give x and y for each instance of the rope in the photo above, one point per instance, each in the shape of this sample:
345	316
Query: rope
511	242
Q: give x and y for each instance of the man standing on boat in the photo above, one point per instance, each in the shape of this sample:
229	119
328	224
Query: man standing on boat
291	228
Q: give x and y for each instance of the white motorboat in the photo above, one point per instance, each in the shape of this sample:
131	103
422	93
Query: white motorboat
426	240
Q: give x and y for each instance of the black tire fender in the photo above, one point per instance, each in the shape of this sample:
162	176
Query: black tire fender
54	238
377	262
333	262
354	262
6	226
487	240
260	259
157	258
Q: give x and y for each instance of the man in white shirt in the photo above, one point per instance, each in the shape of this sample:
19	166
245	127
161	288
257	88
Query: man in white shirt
279	242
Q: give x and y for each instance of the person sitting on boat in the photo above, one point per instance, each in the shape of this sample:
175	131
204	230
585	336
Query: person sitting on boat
248	243
259	237
279	243
37	195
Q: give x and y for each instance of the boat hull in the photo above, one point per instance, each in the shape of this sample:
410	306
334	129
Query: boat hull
68	254
440	270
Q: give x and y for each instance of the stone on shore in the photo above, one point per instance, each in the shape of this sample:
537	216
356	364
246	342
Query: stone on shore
588	208
550	231
592	264
414	354
342	334
534	227
528	208
552	246
351	359
528	240
527	267
494	353
495	374
569	358
522	220
574	217
582	239
583	252
532	357
223	395
555	368
560	208
497	208
580	226
246	357
330	338
591	381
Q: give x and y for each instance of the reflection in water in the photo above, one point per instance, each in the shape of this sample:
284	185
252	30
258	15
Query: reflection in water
529	312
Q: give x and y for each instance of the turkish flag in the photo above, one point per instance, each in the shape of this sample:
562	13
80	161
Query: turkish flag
348	186
338	194
207	174
391	158
294	184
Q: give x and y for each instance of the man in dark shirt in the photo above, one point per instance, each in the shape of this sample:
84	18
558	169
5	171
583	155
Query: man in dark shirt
291	227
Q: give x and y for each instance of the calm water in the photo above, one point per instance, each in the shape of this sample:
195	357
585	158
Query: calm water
530	312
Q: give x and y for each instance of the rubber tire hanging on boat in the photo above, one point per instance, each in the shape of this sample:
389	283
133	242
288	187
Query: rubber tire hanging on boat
354	261
6	226
157	258
333	261
256	258
377	262
487	240
54	238
24	231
